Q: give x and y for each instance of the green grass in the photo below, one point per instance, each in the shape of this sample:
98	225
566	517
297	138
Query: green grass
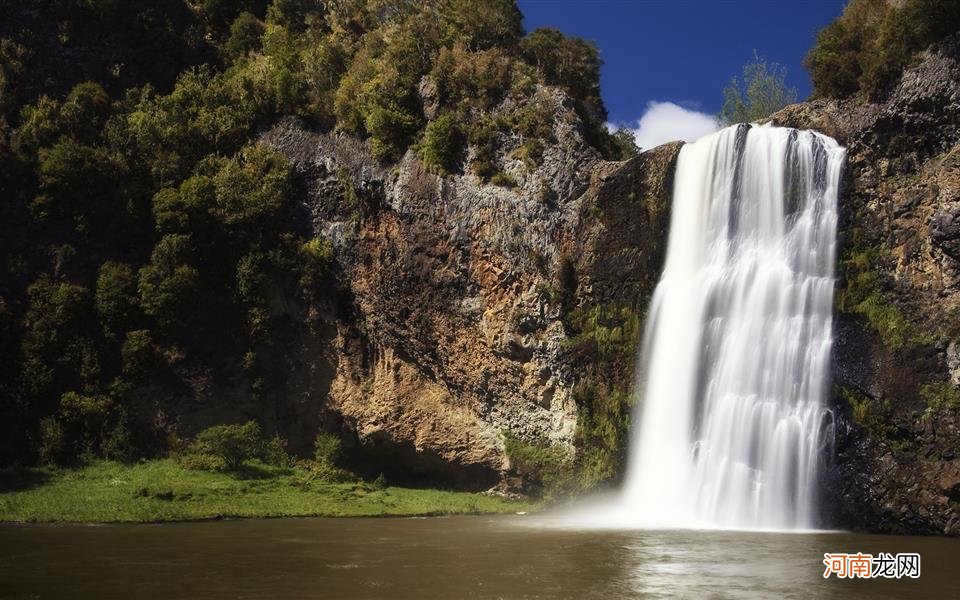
161	490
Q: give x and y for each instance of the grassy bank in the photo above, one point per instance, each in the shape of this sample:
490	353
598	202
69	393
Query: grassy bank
161	490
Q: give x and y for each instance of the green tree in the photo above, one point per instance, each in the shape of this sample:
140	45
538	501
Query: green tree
867	48
568	62
116	296
168	286
231	445
245	33
762	92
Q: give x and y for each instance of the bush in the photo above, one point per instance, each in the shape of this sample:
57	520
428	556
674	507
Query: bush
228	445
327	448
84	426
443	144
275	452
471	79
69	166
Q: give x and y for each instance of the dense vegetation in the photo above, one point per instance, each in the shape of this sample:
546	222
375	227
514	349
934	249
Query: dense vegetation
866	49
145	233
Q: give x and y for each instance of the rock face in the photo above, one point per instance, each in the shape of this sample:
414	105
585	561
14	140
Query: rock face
896	359
467	307
455	331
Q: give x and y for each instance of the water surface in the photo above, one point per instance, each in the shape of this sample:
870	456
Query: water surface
456	557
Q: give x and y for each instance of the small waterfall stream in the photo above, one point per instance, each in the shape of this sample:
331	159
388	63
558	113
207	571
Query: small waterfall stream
735	358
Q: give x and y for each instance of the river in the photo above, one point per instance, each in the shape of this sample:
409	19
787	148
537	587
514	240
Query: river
455	557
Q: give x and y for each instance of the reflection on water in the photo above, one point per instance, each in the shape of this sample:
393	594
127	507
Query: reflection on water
461	557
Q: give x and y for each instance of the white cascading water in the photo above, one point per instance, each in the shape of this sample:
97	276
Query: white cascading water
735	359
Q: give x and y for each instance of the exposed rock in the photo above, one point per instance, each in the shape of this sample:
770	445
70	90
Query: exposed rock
455	332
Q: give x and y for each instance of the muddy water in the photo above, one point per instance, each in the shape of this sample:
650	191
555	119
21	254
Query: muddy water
462	557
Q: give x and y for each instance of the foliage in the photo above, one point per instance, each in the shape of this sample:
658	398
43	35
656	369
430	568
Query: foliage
940	395
865	50
327	448
145	232
762	92
224	447
874	415
116	296
863	294
84	427
245	34
625	143
549	467
571	63
443	144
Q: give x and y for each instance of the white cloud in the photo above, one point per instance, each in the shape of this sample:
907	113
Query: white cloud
667	122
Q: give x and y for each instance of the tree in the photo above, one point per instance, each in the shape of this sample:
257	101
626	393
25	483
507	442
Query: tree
762	92
116	296
568	62
244	35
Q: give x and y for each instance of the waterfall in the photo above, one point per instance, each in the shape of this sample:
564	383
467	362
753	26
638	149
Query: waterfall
735	358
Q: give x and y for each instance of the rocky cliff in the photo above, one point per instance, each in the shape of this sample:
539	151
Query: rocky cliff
478	311
896	466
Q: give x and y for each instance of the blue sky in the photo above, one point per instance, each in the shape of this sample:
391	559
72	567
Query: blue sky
683	52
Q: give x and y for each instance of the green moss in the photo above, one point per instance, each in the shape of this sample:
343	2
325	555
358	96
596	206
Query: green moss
603	419
875	416
863	295
604	332
940	395
548	466
604	341
161	490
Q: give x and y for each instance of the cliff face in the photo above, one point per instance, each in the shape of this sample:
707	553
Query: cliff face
457	327
473	312
896	368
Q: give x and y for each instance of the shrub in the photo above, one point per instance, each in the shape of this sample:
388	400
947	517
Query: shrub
275	452
443	144
230	445
625	144
466	78
940	395
503	180
327	448
198	461
69	166
84	426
